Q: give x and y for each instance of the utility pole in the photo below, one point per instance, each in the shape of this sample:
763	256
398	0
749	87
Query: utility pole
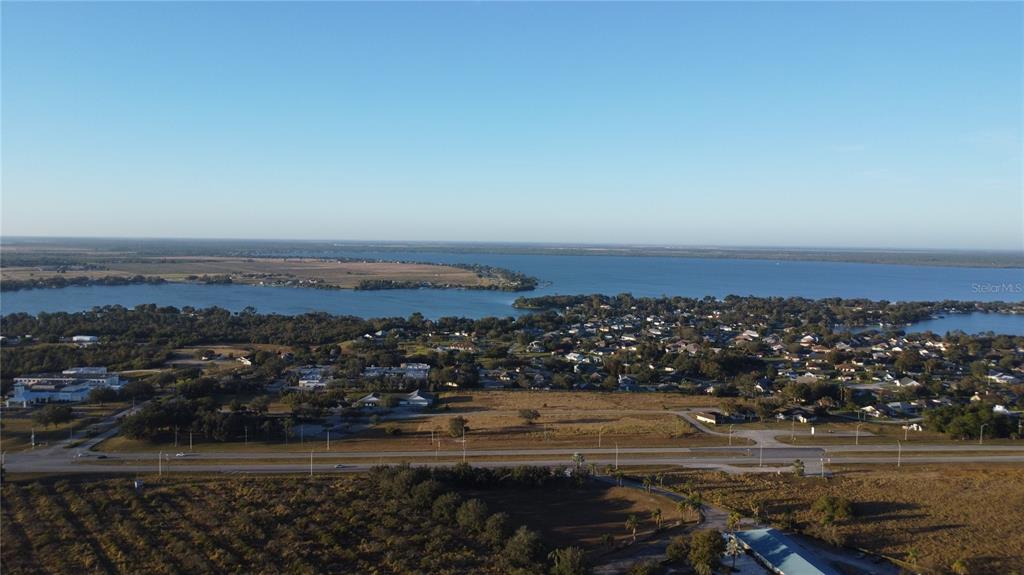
899	453
616	455
760	457
160	464
793	437
730	435
981	434
190	440
463	443
600	432
857	442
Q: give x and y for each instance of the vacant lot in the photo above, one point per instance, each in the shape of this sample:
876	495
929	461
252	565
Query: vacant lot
929	516
572	401
18	425
582	516
265	270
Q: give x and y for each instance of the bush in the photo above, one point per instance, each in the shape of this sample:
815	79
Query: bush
471	515
678	548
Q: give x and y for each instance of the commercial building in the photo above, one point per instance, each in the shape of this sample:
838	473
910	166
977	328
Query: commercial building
781	554
72	384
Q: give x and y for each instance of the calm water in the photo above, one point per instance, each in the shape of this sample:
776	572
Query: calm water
641	276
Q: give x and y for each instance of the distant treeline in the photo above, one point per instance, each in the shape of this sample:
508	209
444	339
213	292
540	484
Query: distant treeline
61	282
506	280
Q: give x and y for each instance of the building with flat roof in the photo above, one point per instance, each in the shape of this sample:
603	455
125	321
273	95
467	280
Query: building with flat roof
781	554
72	384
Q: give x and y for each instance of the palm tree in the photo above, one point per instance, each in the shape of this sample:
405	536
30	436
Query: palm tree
959	567
656	515
631	525
661	479
733	549
618	476
733	521
648	483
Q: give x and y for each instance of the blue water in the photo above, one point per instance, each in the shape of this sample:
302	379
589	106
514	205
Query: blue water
641	276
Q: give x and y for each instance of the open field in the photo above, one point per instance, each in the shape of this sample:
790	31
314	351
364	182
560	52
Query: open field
261	270
18	425
511	400
583	516
930	516
488	430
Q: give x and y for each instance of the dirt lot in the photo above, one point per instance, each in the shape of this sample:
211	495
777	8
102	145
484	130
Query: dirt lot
929	516
268	270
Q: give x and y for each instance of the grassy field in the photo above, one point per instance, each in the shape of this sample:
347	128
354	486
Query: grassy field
571	401
265	270
488	430
17	425
929	516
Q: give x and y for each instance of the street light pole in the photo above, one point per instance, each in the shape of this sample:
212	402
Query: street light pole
981	434
616	455
857	441
463	443
730	435
311	463
328	440
760	457
160	464
899	453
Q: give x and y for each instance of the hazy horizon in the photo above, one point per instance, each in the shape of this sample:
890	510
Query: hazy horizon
777	125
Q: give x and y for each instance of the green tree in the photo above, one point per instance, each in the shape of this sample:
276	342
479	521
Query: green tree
706	548
445	506
632	523
529	415
471	515
496	529
457	426
568	561
678	549
53	414
798	468
734	550
523	548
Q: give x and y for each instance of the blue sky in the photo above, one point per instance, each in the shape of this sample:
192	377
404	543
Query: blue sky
860	125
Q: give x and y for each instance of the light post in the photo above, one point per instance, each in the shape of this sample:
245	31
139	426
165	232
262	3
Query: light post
899	453
247	436
981	433
311	463
857	440
730	435
190	440
328	440
463	443
600	432
616	455
760	456
160	464
793	436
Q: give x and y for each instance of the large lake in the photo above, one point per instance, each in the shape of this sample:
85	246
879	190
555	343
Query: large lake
641	276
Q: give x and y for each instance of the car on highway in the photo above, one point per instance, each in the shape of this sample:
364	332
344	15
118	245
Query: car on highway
339	466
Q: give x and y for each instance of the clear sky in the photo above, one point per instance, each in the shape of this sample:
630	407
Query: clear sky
826	124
